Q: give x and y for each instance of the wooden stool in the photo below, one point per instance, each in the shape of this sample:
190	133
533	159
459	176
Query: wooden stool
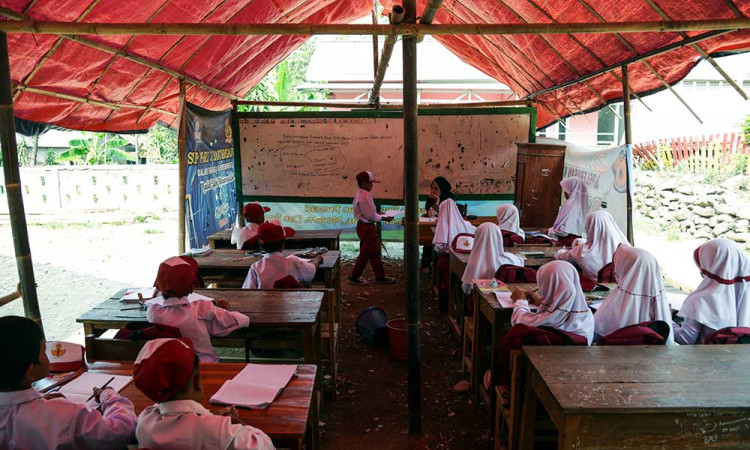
467	345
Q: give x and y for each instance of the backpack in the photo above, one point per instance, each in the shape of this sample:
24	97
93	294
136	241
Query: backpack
729	335
653	332
508	273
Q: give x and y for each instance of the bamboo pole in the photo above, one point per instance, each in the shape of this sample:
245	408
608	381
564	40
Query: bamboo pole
411	219
629	143
375	50
309	29
12	174
5	299
182	161
396	17
428	15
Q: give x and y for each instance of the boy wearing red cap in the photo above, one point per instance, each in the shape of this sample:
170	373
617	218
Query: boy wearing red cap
30	420
275	266
369	245
246	237
167	371
197	320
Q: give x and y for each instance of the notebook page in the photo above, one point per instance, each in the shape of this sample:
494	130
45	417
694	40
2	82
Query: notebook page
84	385
254	396
503	297
274	375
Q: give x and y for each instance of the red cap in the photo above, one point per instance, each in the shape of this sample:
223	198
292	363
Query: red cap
366	176
272	232
254	212
175	277
163	368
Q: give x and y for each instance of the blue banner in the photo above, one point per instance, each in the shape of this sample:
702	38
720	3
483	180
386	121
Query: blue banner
210	205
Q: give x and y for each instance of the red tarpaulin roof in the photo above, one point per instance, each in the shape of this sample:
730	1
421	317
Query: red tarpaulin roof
45	66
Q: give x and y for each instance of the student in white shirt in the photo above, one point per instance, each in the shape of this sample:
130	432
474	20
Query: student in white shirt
449	225
487	255
723	297
603	236
275	266
197	320
246	237
369	245
570	220
168	372
29	420
508	221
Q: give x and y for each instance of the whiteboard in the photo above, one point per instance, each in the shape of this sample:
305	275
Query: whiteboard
288	156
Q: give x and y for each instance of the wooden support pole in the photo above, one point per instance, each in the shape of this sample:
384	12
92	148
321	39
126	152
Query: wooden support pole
182	161
428	15
13	191
375	50
310	29
411	219
629	143
396	17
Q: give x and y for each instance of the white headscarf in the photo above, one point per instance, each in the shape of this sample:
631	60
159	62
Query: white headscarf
449	224
723	297
603	236
507	219
639	295
573	212
564	306
487	255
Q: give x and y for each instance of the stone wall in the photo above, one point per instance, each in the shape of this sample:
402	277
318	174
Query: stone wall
686	204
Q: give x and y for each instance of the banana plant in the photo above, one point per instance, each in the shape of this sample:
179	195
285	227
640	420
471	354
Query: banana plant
97	148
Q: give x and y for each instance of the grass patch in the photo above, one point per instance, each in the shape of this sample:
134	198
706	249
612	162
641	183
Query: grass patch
61	225
152	231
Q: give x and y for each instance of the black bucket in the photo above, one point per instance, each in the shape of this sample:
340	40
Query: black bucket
371	325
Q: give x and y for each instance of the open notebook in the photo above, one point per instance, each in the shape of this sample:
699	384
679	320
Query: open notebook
256	386
81	388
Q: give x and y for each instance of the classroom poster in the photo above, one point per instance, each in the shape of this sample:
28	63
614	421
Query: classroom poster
606	173
210	205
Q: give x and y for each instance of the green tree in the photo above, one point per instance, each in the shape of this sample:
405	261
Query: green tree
97	148
160	145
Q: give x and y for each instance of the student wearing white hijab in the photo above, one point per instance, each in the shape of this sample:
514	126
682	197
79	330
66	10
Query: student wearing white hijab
603	236
507	220
487	255
572	214
449	225
723	297
639	295
561	304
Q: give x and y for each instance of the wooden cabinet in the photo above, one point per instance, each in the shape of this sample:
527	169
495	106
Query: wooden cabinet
538	174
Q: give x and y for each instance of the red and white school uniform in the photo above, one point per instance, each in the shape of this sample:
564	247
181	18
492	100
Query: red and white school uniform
197	321
507	220
369	245
487	255
27	421
275	266
182	424
723	297
570	218
449	225
244	234
639	295
603	236
564	305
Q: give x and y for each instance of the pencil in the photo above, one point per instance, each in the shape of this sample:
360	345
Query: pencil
105	385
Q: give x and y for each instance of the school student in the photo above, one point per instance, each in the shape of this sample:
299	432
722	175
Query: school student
30	420
246	237
560	302
638	297
275	266
440	190
507	220
449	225
569	222
197	320
369	244
723	297
167	371
603	236
487	255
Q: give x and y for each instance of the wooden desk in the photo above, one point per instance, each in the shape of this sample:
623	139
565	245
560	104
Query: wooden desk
291	314
286	420
425	227
301	239
458	263
640	396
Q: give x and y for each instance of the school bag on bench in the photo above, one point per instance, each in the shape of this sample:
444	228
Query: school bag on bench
729	335
654	332
508	273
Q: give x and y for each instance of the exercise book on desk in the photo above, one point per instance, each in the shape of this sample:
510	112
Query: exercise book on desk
256	386
131	295
80	389
486	285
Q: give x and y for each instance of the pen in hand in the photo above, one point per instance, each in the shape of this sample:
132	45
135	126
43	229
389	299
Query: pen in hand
101	388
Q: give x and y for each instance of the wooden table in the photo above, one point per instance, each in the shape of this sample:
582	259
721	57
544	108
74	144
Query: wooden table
491	322
639	396
458	261
290	314
286	420
301	239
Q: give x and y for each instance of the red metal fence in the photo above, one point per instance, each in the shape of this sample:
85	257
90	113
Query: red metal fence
714	151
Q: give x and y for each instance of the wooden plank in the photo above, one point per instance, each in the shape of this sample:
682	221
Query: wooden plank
302	239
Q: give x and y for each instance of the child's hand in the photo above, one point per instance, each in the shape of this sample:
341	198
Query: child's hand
98	392
535	298
231	412
517	294
223	304
318	260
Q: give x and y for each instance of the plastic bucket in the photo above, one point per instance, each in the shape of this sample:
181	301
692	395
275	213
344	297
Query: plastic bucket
371	324
397	338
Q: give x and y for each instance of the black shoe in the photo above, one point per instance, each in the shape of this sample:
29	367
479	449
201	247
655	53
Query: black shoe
357	281
385	280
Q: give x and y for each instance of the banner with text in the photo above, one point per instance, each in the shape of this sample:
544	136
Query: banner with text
606	173
210	204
